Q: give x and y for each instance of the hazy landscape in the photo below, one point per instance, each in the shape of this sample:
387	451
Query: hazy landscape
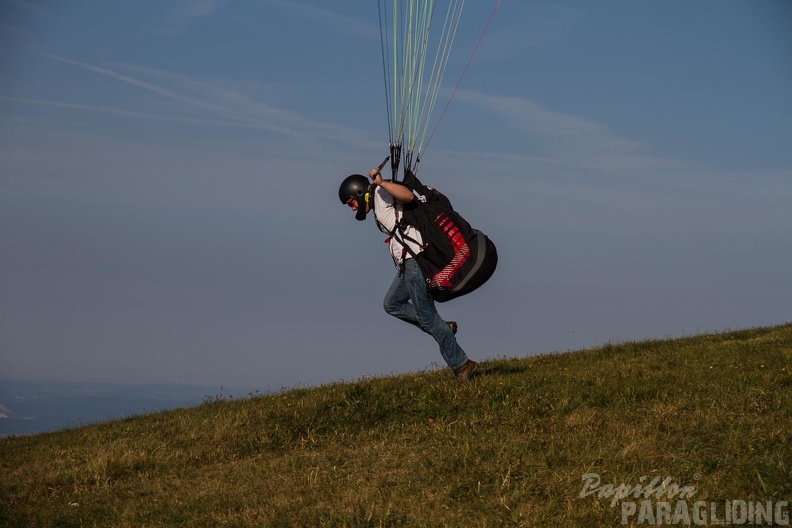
697	429
37	406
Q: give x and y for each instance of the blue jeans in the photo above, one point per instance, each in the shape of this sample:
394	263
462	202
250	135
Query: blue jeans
408	300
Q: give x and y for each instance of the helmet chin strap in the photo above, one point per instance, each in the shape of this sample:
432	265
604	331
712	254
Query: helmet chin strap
362	210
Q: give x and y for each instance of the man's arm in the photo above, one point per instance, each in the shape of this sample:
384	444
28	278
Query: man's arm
400	193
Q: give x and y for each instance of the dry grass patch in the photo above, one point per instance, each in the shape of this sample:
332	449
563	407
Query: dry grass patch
507	449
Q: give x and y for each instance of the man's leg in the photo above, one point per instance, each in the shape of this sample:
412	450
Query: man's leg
397	301
425	315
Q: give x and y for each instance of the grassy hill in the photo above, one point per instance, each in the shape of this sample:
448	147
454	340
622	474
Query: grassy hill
711	414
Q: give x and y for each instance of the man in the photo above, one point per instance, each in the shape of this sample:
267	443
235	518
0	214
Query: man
407	297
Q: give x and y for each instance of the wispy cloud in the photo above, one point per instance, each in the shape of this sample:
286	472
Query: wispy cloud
198	8
528	25
18	14
124	112
567	137
227	105
130	80
328	19
16	31
187	11
31	7
170	94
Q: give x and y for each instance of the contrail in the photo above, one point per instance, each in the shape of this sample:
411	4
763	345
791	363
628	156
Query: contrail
175	96
128	113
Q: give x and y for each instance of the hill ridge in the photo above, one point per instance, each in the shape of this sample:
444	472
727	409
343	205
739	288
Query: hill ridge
509	448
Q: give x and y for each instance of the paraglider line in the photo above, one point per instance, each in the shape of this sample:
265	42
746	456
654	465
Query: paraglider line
385	72
481	38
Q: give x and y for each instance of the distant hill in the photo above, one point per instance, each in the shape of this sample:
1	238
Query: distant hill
35	406
672	432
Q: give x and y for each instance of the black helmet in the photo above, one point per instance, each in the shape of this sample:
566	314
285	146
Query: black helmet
355	186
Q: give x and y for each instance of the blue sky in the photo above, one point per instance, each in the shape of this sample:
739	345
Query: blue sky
168	178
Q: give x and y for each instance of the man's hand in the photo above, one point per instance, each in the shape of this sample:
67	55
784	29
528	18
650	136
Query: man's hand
401	193
375	175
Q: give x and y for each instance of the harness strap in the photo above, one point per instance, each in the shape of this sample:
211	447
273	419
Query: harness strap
396	233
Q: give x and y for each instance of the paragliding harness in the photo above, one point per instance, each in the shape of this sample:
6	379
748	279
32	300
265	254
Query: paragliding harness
455	258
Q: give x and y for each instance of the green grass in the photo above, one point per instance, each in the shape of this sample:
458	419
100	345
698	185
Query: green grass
506	449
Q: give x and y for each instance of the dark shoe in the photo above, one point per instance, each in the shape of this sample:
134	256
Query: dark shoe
466	371
452	325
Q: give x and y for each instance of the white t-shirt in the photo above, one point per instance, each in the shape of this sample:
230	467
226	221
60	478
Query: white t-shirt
388	213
